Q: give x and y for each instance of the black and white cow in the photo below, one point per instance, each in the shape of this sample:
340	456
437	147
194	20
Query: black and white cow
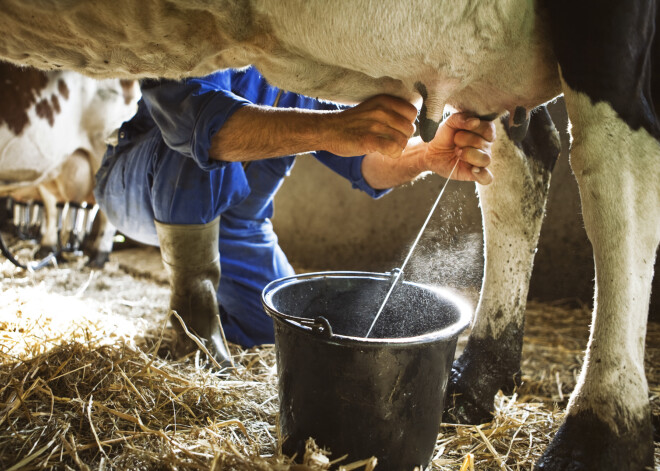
53	128
488	57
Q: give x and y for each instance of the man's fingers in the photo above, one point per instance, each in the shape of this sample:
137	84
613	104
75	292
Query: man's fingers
382	124
481	175
399	105
473	165
391	111
465	121
486	129
462	121
475	157
472	173
474	139
466	140
393	120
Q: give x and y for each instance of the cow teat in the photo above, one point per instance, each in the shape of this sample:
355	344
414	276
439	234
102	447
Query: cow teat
426	126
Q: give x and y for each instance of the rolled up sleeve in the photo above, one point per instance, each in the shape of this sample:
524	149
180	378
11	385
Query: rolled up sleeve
351	169
189	113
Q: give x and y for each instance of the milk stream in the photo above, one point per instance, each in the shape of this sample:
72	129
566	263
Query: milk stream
398	272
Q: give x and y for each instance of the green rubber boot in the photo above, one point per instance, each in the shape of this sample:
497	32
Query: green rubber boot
191	257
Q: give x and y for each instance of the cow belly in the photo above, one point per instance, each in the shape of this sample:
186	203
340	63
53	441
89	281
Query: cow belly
116	39
344	50
455	48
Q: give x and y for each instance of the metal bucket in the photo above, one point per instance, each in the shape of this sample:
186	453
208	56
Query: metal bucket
380	396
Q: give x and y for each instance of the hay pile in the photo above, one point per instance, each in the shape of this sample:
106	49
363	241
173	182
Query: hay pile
93	406
86	382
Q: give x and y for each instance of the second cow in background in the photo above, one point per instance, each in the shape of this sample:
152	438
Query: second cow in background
53	132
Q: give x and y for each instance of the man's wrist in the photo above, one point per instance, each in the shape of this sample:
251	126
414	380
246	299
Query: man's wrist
319	130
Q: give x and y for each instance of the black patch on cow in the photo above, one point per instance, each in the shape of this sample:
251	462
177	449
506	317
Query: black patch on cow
586	443
518	130
19	90
610	50
486	366
541	142
655	54
655	420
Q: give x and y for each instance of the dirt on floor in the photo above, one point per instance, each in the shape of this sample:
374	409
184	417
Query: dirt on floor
87	382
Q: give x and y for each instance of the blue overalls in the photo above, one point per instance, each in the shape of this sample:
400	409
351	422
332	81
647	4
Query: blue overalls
160	169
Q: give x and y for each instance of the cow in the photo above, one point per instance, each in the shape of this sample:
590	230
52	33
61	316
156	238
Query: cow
488	57
53	128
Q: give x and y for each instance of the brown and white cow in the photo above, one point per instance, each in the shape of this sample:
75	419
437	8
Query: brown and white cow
53	127
488	57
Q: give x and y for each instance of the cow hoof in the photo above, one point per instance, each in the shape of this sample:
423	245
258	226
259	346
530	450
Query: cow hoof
98	260
472	388
485	367
44	251
464	409
586	443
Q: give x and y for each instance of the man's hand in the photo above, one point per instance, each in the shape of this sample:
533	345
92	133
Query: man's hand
380	124
467	139
460	137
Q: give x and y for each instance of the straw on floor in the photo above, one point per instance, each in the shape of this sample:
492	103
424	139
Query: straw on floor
98	390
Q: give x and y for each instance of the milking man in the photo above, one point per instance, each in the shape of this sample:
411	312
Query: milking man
196	169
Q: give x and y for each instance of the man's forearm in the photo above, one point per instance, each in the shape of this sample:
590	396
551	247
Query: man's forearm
255	132
380	124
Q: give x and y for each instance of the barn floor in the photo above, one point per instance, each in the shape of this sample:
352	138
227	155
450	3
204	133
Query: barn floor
86	383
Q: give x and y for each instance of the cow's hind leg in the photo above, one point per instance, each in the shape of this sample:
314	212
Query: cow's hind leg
608	422
512	207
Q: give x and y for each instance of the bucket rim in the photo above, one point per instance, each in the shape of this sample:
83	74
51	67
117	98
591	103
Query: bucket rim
464	308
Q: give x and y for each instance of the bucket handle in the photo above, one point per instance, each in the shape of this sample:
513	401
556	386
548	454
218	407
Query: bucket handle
320	325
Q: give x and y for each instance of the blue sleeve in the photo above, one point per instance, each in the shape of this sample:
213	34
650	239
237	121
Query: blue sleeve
189	113
349	168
